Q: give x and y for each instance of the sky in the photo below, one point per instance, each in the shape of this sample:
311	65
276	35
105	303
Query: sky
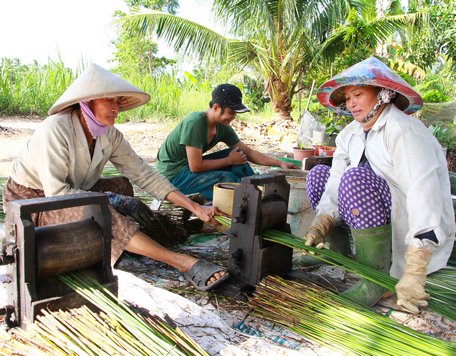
80	31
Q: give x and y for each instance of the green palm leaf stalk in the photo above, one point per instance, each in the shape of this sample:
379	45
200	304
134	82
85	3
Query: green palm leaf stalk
159	337
441	285
333	321
83	332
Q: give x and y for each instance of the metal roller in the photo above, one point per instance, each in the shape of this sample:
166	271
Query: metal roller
260	203
67	248
273	211
34	256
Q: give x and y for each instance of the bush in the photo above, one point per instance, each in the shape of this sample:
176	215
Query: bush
434	96
434	89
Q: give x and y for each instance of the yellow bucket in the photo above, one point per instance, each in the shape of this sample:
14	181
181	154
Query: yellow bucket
223	197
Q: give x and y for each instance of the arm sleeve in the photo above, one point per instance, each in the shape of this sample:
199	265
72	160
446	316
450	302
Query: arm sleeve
53	167
414	153
126	160
192	134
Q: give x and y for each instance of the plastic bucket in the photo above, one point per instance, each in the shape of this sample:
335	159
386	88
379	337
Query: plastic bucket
223	197
300	213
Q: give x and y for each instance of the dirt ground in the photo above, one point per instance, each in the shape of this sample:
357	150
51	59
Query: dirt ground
15	131
146	138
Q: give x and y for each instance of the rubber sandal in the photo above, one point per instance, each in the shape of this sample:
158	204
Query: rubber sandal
200	273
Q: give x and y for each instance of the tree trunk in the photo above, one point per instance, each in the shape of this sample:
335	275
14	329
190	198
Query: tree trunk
280	99
381	49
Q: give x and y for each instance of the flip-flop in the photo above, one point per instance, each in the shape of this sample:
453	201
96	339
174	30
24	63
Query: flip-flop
200	273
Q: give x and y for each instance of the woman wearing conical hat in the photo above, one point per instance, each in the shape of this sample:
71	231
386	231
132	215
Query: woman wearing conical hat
388	183
67	153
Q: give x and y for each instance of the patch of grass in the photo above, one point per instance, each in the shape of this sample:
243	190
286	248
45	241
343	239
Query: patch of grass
33	89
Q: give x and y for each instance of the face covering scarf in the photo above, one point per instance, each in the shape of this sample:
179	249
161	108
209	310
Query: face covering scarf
384	97
95	128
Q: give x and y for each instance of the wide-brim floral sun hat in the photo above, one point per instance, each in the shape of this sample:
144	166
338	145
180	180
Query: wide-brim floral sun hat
95	83
373	72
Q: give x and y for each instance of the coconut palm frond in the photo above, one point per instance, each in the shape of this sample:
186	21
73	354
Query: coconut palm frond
407	67
244	53
185	36
334	44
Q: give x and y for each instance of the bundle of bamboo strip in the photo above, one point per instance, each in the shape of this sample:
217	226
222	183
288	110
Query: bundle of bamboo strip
171	225
115	331
163	338
441	285
182	217
335	322
78	331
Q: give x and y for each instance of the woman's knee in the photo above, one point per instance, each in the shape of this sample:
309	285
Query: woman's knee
315	183
117	185
320	170
352	174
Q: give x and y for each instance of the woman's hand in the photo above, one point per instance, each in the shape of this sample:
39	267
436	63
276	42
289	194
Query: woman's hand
410	288
320	228
204	213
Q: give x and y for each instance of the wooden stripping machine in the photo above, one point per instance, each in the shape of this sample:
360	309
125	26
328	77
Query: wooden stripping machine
34	256
260	203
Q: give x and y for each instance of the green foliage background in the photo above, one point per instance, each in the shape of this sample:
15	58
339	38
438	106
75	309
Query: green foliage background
32	89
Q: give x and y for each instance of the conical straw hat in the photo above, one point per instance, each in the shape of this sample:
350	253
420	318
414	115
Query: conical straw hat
96	82
373	72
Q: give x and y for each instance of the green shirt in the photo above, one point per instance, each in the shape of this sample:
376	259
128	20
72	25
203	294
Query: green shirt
191	131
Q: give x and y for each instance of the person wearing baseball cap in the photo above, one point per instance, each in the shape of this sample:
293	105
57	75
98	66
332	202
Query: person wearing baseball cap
388	184
181	157
228	96
67	154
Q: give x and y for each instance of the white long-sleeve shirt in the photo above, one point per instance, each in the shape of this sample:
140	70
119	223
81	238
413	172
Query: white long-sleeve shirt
57	160
401	150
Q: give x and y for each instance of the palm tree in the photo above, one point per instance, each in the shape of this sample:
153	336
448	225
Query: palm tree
283	39
436	43
369	26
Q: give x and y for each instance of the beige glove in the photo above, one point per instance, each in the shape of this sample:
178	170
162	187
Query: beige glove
410	288
320	228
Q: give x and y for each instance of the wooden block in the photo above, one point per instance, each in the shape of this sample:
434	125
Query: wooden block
312	161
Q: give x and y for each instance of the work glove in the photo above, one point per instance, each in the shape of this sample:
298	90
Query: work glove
410	288
131	206
320	228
